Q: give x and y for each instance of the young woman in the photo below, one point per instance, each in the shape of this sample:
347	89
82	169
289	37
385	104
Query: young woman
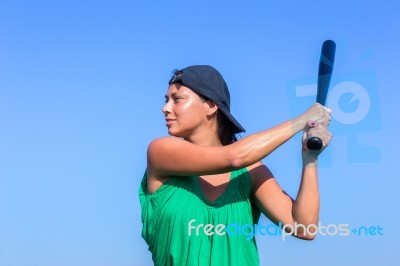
201	180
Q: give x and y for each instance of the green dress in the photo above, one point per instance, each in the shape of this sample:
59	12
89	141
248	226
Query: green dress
175	217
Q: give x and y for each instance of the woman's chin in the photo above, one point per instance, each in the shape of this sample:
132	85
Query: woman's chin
175	133
172	133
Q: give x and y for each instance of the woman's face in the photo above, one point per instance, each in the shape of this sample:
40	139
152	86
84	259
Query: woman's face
185	111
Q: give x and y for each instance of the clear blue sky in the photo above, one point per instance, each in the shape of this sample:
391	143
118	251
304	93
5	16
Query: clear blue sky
82	84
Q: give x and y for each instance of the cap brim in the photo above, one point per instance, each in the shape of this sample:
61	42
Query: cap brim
235	123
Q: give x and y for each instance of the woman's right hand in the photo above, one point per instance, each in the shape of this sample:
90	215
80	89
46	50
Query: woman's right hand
317	113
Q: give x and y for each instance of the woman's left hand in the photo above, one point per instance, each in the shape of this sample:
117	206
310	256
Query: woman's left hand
314	129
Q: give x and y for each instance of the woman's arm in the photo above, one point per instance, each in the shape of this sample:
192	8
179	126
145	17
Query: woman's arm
173	156
280	207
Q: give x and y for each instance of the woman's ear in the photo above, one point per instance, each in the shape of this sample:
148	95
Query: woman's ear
212	107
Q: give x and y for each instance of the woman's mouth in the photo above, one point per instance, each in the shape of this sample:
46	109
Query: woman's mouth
169	121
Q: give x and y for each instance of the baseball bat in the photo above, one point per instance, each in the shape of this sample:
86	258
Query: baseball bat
325	69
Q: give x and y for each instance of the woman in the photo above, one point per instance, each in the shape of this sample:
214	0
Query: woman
201	180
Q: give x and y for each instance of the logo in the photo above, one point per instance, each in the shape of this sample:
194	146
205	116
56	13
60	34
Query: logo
354	99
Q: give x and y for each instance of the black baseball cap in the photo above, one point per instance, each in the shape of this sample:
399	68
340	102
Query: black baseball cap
208	82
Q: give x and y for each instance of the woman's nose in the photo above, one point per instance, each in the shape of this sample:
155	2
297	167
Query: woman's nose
166	108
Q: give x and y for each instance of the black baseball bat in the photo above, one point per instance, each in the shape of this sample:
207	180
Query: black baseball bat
325	69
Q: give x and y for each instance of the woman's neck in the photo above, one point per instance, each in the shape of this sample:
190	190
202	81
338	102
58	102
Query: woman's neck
208	139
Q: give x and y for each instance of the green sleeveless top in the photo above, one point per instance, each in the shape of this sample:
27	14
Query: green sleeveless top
182	228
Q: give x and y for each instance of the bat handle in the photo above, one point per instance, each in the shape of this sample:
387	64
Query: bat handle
314	143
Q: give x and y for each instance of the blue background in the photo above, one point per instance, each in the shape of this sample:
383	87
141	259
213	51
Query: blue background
82	85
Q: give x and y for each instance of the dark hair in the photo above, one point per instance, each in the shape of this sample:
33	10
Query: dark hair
226	130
